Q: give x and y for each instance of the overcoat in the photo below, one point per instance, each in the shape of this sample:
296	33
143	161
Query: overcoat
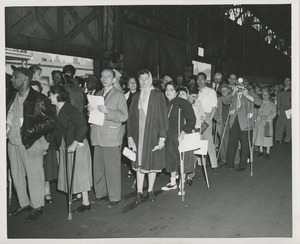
156	127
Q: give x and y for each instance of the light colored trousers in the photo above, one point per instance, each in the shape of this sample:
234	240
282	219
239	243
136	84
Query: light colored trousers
107	172
28	163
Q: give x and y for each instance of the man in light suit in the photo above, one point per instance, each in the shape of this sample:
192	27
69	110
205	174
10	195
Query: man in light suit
107	140
242	100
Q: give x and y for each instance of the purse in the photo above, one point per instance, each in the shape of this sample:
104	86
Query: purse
268	132
204	126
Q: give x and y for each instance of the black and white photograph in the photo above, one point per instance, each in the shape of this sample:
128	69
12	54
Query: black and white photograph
150	122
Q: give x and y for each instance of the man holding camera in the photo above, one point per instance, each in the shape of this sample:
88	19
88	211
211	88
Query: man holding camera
241	100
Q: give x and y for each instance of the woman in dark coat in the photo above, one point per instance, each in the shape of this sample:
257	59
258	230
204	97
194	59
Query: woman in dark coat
70	131
187	124
147	127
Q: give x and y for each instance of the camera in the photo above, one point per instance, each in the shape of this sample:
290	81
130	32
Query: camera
240	84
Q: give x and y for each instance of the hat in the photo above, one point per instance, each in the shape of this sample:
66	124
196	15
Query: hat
167	78
117	73
91	78
23	70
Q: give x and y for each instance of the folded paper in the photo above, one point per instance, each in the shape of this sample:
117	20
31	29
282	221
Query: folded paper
203	148
129	154
96	117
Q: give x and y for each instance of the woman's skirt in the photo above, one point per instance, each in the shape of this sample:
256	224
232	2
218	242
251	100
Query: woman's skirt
51	165
82	181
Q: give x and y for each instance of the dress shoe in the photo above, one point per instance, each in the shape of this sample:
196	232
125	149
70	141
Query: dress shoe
34	214
240	169
48	199
260	154
18	211
139	198
216	171
189	182
82	208
99	200
266	155
113	204
151	196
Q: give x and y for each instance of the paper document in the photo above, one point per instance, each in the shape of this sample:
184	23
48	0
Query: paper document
96	117
129	154
190	142
288	113
203	148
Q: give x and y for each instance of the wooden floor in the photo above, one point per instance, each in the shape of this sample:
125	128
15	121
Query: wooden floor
236	206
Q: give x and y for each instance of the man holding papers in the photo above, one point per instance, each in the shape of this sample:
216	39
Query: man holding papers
284	103
107	140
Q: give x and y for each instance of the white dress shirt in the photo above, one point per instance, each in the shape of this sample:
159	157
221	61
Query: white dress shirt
208	99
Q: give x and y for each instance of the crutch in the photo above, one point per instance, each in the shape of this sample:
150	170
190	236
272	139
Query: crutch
251	145
181	156
69	184
9	187
223	134
181	172
204	164
70	181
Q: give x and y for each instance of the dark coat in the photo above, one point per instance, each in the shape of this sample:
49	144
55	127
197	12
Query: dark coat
38	117
156	127
187	118
187	124
70	125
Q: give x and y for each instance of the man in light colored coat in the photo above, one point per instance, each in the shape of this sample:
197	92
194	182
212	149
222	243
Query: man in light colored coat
242	100
107	140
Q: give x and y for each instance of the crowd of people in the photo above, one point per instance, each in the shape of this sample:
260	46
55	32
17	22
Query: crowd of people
49	136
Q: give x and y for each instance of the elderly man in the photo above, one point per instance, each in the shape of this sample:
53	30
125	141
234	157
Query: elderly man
232	80
241	101
222	118
284	102
29	119
107	140
208	99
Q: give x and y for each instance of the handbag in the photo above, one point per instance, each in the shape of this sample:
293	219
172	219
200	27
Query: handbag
268	132
204	126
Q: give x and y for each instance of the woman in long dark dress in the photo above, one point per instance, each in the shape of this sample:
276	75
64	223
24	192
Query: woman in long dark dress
70	131
147	127
187	124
